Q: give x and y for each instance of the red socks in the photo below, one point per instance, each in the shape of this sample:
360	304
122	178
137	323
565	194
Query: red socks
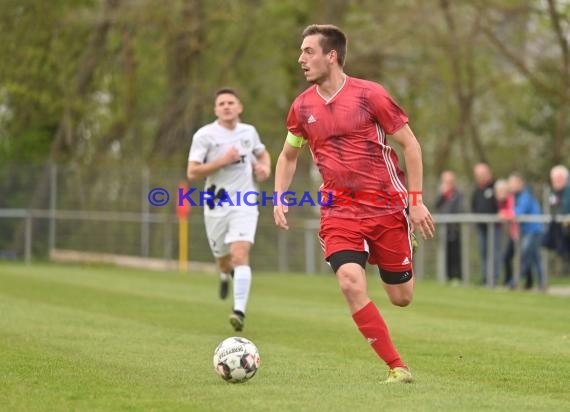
374	329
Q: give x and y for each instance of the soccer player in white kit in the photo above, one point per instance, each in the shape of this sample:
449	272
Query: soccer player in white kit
229	154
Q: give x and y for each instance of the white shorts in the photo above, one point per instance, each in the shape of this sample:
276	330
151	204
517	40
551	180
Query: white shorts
237	225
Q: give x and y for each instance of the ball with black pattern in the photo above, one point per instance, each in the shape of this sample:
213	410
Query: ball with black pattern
236	359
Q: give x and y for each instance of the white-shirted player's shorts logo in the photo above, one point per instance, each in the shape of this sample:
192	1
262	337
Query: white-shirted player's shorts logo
311	119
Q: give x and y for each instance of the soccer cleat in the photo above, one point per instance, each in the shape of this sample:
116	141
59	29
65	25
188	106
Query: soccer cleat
224	287
399	375
237	320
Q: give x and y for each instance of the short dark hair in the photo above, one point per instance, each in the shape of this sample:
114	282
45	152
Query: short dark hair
332	38
227	90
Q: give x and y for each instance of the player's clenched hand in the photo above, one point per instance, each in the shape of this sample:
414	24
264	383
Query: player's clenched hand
262	172
279	212
421	219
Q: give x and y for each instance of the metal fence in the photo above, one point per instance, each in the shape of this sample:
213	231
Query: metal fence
48	207
158	238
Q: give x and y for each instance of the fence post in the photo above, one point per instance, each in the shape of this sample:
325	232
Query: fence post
167	240
28	238
490	269
442	253
52	206
544	261
145	211
282	261
517	260
310	264
419	259
465	255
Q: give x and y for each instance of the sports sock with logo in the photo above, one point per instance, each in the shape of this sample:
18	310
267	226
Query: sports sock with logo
242	284
372	326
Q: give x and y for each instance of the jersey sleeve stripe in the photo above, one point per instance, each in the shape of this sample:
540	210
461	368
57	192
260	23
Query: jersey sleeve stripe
386	149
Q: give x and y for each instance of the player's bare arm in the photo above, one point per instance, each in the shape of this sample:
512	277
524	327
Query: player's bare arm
284	172
197	170
419	213
262	169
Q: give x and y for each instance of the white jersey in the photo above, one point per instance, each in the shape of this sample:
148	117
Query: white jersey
213	141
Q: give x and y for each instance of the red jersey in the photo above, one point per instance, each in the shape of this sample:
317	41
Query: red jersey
347	137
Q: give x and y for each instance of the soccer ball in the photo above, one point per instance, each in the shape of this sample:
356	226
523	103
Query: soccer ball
236	359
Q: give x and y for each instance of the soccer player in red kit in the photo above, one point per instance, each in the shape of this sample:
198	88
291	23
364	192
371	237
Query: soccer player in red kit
345	122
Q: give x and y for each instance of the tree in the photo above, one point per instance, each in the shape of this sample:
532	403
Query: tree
543	60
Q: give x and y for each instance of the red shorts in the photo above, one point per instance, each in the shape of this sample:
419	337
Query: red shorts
386	239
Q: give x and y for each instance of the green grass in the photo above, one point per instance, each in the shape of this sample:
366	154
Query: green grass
94	338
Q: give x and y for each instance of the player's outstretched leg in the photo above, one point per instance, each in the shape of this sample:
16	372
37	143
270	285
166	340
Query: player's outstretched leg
242	285
400	289
241	282
374	329
352	281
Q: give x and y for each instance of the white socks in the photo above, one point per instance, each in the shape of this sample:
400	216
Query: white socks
224	277
242	284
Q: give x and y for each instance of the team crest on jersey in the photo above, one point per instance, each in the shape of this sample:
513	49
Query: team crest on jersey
246	143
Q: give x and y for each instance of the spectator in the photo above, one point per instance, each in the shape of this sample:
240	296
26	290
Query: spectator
506	206
531	233
558	236
450	200
483	201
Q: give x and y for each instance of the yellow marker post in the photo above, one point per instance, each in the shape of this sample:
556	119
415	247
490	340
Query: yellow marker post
182	244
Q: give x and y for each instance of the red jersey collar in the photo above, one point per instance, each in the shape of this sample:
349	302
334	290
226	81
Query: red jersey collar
327	101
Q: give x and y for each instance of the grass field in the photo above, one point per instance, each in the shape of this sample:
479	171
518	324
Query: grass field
97	338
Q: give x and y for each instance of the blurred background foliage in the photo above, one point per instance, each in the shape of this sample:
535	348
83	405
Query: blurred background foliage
86	81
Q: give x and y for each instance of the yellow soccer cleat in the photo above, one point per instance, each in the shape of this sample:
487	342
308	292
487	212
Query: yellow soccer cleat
399	375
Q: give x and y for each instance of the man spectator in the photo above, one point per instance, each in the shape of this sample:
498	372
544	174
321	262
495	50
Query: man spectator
530	232
483	201
450	200
558	236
